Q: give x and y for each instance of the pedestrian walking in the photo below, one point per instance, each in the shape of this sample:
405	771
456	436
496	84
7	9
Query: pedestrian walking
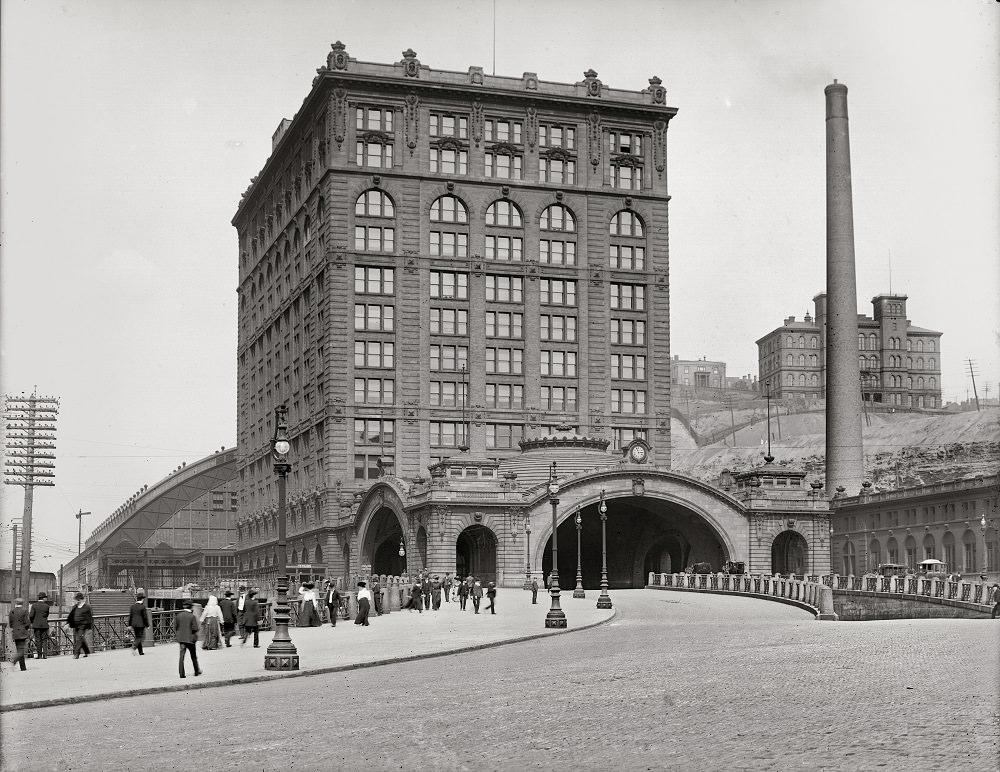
211	624
186	634
995	597
377	596
436	592
80	619
228	606
446	586
251	619
241	602
364	604
491	595
138	620
469	581
332	602
309	610
477	594
416	598
39	616
426	585
463	595
534	590
19	624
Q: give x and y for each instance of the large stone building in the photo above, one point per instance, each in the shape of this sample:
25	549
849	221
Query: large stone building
899	364
698	373
453	280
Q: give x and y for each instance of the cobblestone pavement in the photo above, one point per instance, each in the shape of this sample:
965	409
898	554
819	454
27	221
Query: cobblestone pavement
676	681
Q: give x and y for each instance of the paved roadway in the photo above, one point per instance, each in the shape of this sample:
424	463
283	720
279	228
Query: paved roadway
675	681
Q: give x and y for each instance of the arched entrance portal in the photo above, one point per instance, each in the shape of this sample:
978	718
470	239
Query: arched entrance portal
643	534
381	547
789	554
476	553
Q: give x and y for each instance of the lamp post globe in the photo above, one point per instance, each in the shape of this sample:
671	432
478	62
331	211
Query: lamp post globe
604	601
555	618
281	653
578	591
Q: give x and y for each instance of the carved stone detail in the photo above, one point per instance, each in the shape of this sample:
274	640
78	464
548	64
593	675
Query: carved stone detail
594	139
531	126
411	65
337	59
411	121
478	122
660	145
339	112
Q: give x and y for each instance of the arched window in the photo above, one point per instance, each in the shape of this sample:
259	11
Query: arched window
802	360
374	225
813	342
932	383
628	245
930	345
932	364
503	245
872	342
909	345
873	363
296	240
626	223
909	381
813	361
861	341
318	557
862	362
789	360
920	345
814	381
449	235
305	556
802	379
920	383
920	363
307	229
789	341
557	242
294	559
802	341
909	363
790	380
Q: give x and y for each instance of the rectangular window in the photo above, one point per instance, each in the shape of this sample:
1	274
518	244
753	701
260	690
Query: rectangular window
558	363
448	244
374	353
506	396
449	126
556	252
449	161
631	297
449	393
447	434
377	155
504	248
449	321
551	135
628	401
558	397
374	391
628	258
445	284
502	131
505	361
374	318
628	367
626	177
449	357
503	324
371	466
373	119
504	166
557	171
374	431
504	436
374	239
373	281
555	327
505	289
624	143
557	292
623	435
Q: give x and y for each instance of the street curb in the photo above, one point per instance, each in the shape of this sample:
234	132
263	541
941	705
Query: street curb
293	674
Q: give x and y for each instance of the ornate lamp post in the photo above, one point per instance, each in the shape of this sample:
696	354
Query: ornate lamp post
281	653
556	617
527	565
402	554
578	591
604	601
986	557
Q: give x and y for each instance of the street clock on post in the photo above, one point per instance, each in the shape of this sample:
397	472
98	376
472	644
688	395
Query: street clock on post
637	452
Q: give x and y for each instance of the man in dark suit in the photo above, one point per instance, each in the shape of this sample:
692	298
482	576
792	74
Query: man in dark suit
139	620
332	602
39	615
20	629
186	634
251	619
425	587
81	619
228	607
240	603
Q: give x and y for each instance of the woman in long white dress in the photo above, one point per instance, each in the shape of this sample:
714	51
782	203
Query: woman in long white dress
211	623
309	611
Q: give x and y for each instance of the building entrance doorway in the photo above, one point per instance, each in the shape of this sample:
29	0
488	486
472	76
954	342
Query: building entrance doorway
381	545
789	554
476	554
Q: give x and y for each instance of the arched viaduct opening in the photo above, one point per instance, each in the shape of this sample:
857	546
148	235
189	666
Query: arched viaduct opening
381	544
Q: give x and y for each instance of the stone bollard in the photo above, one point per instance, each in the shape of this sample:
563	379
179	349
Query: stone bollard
385	592
826	612
352	604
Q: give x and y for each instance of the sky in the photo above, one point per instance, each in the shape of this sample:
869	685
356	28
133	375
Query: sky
129	130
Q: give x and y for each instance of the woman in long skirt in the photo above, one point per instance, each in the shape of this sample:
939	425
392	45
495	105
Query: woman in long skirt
308	612
211	623
416	598
364	604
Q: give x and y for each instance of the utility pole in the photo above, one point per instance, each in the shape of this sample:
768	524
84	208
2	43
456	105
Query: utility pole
972	374
79	530
30	429
732	416
13	562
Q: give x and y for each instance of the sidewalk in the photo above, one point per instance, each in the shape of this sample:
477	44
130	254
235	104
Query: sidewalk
394	637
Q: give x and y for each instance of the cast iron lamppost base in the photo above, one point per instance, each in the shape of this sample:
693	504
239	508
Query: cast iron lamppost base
281	653
578	591
604	601
556	618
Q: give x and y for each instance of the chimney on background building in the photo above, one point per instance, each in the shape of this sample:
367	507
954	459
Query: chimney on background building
844	452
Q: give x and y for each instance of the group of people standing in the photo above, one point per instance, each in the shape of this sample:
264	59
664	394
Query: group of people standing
26	623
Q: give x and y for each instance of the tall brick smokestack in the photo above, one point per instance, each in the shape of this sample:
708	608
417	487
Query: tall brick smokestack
844	452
